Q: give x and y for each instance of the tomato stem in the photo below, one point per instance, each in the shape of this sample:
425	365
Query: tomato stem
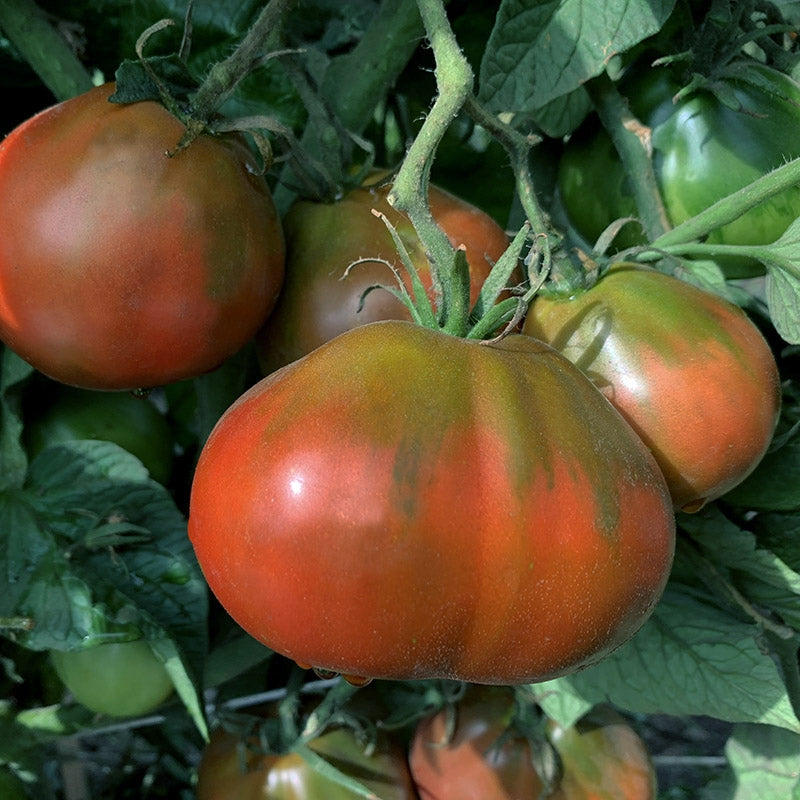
224	76
409	193
632	141
564	273
733	206
44	48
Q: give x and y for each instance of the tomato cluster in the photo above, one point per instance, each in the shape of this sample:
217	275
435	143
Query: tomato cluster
388	500
475	748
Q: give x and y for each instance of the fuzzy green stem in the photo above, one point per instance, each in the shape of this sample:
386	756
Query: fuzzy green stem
765	254
42	46
733	206
565	274
409	192
224	76
631	140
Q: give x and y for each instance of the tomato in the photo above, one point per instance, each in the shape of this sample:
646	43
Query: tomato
223	774
320	298
603	757
119	679
689	371
485	758
122	267
133	423
703	150
405	504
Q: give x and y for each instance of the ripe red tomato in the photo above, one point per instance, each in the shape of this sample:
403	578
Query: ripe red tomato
223	774
688	370
401	503
122	267
320	299
485	758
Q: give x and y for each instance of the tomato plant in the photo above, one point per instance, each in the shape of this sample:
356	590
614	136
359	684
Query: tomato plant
233	768
689	370
323	295
476	749
122	266
395	502
403	528
133	423
119	679
706	145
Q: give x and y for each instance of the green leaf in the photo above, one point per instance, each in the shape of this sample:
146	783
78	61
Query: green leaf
775	483
763	762
136	83
761	576
783	295
13	461
689	658
540	50
79	588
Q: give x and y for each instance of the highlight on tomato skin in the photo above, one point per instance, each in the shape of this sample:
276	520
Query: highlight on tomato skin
488	517
121	266
689	371
335	253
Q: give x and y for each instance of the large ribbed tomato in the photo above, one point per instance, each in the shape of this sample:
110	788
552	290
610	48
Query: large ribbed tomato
401	503
689	370
122	266
321	298
484	757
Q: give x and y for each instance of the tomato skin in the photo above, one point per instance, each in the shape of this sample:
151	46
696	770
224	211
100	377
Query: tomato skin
289	777
320	298
121	267
119	679
690	372
602	757
133	423
703	150
433	507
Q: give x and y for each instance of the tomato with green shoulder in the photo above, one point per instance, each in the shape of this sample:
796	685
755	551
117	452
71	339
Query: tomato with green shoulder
127	262
405	504
689	370
336	253
476	750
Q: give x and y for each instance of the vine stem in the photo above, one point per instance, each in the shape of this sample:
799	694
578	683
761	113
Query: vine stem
44	48
409	193
733	206
225	75
562	270
632	141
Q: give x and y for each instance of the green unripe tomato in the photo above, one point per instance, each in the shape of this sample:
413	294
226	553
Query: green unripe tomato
133	423
120	679
703	150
